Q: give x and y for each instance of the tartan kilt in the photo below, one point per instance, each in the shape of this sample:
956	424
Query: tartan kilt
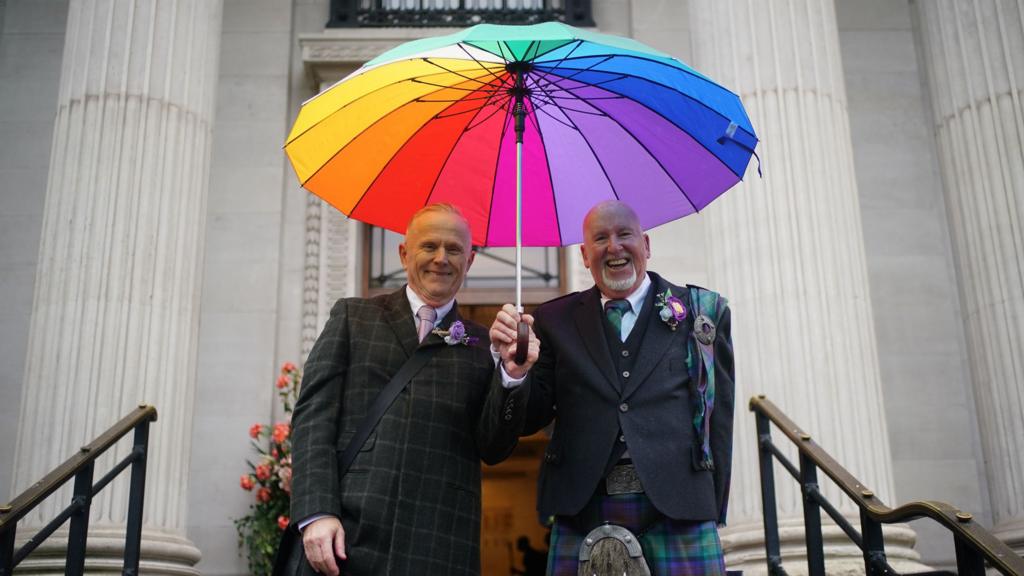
671	547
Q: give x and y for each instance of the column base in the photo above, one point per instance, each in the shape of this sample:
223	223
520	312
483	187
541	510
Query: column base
163	553
1012	533
744	549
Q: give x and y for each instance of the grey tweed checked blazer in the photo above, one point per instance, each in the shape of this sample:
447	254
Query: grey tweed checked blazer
410	504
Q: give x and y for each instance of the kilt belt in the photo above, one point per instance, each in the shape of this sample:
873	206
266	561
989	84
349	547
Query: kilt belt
621	480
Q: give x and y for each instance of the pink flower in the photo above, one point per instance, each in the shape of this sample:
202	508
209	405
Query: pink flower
287	368
263	495
274	453
282	382
247	482
285	474
281	431
254	430
282	522
263	472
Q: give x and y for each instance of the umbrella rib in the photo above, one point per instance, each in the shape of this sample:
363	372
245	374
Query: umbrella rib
577	72
388	163
497	108
624	75
551	182
596	157
687	70
424	82
432	63
684	95
466	99
548	114
374	123
652	155
462	47
578	43
367	95
494	179
550	101
450	152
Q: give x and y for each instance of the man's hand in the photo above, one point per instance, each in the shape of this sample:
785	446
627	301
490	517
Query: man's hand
503	338
323	540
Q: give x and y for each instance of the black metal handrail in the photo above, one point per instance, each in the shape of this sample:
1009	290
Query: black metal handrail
80	467
435	13
974	544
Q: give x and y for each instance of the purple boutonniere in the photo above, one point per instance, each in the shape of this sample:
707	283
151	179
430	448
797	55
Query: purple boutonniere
456	334
672	311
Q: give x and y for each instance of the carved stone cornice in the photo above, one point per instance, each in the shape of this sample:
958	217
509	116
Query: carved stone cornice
328	56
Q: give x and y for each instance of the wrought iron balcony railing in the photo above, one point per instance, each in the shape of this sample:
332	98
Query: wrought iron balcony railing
438	13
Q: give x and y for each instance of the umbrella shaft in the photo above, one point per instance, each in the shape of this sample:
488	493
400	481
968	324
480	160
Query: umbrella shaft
519	112
519	227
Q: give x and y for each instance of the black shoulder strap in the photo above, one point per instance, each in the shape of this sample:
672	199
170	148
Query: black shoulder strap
381	404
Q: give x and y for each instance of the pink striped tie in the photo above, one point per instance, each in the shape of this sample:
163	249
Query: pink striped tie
426	315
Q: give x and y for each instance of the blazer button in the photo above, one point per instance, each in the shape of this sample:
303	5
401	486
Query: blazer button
625	353
622	437
623	407
625	373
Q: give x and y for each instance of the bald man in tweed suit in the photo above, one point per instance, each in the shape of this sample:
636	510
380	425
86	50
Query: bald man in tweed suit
410	503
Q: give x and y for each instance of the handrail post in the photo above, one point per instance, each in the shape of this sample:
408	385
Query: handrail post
812	517
136	498
7	551
768	511
79	529
874	545
968	561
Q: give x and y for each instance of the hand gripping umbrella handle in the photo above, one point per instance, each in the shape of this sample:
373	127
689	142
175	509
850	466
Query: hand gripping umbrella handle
522	342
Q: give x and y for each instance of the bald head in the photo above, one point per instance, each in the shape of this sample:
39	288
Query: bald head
615	249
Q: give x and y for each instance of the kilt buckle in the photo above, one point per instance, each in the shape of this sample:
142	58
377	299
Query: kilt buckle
611	550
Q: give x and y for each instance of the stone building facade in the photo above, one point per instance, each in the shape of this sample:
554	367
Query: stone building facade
155	246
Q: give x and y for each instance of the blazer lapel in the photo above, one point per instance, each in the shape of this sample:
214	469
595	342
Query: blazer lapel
588	316
657	338
399	317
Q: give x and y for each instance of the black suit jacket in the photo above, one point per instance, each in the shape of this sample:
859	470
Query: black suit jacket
410	503
574	382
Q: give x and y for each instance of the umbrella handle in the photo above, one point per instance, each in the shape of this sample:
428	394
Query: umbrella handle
522	342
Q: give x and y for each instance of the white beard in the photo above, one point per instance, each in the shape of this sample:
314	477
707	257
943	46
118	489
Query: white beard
619	285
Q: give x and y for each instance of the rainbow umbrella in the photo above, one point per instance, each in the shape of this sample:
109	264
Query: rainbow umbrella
545	120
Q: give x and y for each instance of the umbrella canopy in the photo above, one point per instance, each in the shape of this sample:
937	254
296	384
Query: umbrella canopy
605	118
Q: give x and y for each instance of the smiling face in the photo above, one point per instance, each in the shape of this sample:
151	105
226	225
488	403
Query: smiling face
436	254
615	249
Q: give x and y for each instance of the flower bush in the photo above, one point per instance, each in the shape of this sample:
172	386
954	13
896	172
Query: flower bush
270	480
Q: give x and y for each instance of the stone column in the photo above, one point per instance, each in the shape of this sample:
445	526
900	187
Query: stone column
115	316
787	250
974	57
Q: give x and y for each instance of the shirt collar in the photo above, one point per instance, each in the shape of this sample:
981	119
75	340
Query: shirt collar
636	299
415	302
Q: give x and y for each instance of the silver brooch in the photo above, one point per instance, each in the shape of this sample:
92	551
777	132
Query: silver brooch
704	329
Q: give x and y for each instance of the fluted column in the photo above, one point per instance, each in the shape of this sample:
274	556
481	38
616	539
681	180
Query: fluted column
115	316
974	54
788	252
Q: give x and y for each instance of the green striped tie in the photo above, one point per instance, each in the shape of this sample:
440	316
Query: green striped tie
614	310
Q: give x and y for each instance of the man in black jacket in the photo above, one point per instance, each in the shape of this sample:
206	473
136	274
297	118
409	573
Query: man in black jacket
637	374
